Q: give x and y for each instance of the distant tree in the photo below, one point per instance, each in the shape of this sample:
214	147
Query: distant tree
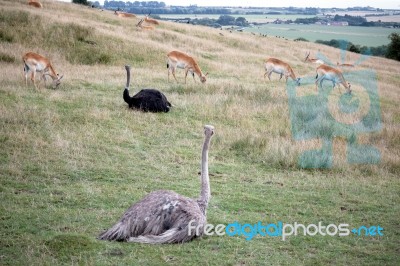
226	20
307	20
379	50
393	50
301	39
333	43
81	2
352	20
241	21
311	11
353	48
375	51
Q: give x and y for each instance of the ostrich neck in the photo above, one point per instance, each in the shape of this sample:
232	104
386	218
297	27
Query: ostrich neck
205	180
128	77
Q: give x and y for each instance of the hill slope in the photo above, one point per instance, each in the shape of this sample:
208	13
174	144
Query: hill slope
72	160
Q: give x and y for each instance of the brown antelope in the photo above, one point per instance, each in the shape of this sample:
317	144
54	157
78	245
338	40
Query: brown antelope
35	3
313	60
144	27
181	60
36	63
344	65
325	72
124	15
149	20
279	67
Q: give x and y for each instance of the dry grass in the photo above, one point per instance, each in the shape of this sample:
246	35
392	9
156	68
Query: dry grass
65	152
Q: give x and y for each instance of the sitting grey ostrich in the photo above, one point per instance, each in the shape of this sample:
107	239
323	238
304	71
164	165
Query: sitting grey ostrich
163	216
147	100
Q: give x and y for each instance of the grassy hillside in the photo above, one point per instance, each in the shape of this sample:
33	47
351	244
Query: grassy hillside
72	160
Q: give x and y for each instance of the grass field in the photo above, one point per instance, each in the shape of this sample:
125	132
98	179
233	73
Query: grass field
72	160
368	36
393	18
364	36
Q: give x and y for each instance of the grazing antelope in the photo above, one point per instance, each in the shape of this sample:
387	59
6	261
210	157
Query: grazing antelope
35	3
332	74
313	60
279	67
36	63
144	27
181	60
124	15
344	65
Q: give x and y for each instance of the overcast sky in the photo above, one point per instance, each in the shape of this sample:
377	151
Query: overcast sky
389	4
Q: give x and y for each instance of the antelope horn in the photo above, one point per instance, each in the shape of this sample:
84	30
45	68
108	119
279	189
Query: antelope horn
140	23
307	56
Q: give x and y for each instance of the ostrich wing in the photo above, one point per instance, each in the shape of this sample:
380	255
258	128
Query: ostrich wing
151	100
160	217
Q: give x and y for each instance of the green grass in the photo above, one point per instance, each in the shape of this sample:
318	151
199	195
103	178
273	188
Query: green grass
73	159
353	34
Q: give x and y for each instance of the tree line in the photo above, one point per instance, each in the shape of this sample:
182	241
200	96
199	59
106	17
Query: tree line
223	20
391	51
351	20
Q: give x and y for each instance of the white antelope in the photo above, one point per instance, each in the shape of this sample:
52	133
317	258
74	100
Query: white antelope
325	72
36	63
124	15
313	60
35	3
279	67
181	60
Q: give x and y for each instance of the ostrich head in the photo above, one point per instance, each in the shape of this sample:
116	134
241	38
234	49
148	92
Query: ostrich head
208	130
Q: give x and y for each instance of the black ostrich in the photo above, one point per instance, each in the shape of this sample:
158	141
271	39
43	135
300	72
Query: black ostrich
147	100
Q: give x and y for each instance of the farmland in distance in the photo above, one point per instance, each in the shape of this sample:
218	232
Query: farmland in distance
364	36
368	36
